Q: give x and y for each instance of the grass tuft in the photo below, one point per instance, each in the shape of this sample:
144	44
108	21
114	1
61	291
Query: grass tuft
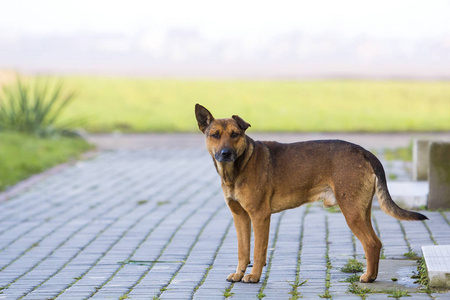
352	278
353	266
326	295
260	295
334	209
294	292
159	203
361	291
227	293
422	273
35	107
395	293
412	255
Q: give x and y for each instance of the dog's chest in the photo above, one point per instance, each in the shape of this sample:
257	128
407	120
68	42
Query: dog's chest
229	191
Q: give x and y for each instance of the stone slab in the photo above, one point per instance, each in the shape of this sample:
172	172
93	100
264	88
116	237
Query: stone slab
439	176
421	153
400	269
437	259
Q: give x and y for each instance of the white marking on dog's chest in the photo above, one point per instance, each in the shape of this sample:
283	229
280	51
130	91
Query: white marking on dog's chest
229	191
226	172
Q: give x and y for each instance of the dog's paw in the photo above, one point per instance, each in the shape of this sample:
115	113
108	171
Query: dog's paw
251	278
235	277
366	278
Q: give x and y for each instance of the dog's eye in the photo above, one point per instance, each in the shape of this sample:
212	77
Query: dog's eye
234	135
216	135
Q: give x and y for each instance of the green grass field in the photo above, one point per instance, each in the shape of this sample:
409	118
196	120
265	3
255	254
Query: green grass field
22	155
139	105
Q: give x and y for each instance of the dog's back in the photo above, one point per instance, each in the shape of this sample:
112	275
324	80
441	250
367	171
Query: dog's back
333	170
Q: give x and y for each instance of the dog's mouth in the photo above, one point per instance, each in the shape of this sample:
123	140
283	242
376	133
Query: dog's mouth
225	155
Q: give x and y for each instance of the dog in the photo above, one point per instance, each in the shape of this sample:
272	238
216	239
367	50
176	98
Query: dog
261	178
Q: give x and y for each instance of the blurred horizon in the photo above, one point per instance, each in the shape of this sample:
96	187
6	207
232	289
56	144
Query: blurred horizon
208	39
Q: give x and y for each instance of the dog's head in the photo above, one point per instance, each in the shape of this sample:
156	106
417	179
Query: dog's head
225	138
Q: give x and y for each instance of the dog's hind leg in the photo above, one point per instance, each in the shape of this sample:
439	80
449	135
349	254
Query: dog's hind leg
243	230
361	226
357	213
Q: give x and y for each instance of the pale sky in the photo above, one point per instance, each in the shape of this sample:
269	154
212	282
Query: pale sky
232	18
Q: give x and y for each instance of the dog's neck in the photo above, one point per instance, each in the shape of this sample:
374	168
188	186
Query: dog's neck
229	171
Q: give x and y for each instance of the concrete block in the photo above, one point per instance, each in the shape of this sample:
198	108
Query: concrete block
439	176
437	259
421	149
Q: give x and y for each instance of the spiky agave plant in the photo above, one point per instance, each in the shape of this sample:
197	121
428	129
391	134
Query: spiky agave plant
35	106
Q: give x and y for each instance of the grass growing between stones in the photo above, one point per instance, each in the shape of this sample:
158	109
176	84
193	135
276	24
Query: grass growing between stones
227	292
422	278
353	266
269	263
159	203
412	255
334	209
294	292
422	274
395	293
260	295
327	293
210	267
352	278
361	291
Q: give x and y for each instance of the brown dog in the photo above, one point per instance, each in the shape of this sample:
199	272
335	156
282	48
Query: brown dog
262	178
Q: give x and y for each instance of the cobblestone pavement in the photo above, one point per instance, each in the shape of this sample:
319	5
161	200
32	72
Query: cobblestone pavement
152	223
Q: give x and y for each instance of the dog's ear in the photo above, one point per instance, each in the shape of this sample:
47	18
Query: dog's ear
242	124
204	117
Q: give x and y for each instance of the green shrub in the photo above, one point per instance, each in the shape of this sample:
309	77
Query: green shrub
34	107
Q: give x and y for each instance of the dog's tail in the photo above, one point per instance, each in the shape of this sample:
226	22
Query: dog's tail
384	198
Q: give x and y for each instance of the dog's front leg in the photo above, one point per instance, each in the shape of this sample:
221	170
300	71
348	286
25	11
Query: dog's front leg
261	227
243	230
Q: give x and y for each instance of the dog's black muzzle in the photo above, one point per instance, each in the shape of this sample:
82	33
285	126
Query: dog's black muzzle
225	155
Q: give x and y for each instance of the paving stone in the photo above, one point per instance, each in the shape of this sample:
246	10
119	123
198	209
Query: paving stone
162	212
437	259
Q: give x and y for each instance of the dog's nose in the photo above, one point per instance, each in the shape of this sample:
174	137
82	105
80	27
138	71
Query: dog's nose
225	155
